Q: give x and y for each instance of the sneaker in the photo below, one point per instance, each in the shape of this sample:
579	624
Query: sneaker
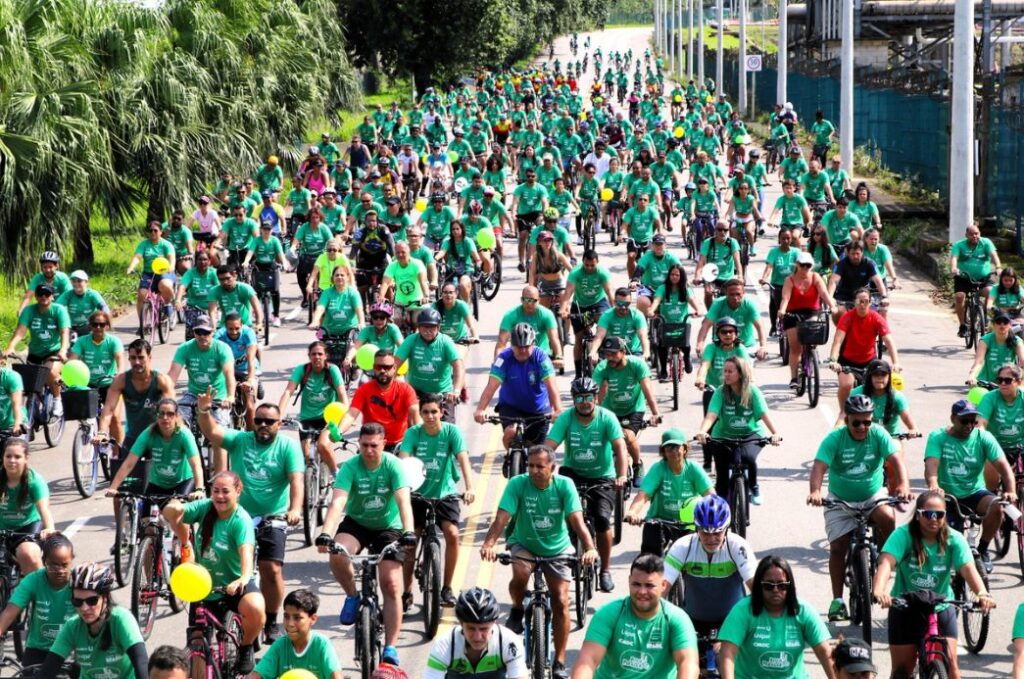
138	331
607	584
663	376
638	474
272	632
406	601
986	561
558	670
962	332
755	496
246	660
275	321
447	598
389	656
579	240
349	610
522	267
58	408
515	620
753	251
305	303
837	611
793	384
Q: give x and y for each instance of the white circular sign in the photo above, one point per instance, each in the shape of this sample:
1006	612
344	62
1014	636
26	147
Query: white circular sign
753	62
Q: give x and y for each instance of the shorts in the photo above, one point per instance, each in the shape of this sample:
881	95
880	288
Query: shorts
634	422
559	569
445	509
847	363
644	291
963	284
656	539
794	316
150	281
187	406
41	359
594	309
309	430
183	488
908	626
632	247
373	540
534	432
138	482
368	277
840	522
552	289
270	540
26	533
954	516
601	504
527	220
220	607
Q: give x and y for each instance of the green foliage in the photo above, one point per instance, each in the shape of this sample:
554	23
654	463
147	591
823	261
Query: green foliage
869	164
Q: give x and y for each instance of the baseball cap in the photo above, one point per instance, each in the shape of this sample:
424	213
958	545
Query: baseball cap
44	289
805	258
489	191
79	275
204	199
673	437
548	156
658	238
545	235
960	408
1003	317
853	655
203	323
613	343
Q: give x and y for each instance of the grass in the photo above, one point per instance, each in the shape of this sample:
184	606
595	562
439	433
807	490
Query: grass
868	163
731	38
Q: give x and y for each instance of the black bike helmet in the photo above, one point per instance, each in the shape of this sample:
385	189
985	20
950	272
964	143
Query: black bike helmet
726	322
92	577
583	385
523	335
859	404
437	198
476	605
428	316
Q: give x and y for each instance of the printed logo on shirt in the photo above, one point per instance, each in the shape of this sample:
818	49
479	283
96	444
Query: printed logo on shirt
775	661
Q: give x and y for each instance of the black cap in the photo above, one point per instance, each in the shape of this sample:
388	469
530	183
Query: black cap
658	238
613	343
853	655
44	289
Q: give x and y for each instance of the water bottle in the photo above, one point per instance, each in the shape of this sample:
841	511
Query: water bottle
168	540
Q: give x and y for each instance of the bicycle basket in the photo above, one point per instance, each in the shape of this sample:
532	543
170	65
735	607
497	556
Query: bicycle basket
675	335
813	332
80	404
33	377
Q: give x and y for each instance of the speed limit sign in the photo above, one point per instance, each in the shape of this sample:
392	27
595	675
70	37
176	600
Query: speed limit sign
753	62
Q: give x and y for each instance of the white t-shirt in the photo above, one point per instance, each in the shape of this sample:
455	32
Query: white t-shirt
505	653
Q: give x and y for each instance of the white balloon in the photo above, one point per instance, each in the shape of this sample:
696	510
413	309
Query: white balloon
414	472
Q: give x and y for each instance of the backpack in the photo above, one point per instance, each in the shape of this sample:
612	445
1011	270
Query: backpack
307	370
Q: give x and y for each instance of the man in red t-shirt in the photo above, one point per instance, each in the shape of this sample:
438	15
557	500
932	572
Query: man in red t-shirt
857	333
385	400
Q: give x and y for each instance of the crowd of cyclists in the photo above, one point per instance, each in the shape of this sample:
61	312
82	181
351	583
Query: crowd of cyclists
396	237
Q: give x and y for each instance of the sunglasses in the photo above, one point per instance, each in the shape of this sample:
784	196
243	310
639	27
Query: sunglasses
932	514
384	368
99	325
378	317
860	423
968	420
780	586
202	333
1005	380
622	304
806	266
526	300
166	413
332	250
154	230
584	398
1002	321
89	601
265	421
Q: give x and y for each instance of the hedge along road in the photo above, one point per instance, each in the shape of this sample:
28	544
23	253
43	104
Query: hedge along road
935	365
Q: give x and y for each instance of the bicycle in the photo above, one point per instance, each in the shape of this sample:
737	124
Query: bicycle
585	338
932	655
213	642
676	338
39	403
317	482
537	630
739	494
974	312
514	463
10	576
614	220
1013	525
187	409
370	616
263	282
585	577
88	459
157	322
553	296
706	655
975	622
429	569
591	217
861	559
812	333
667	529
337	350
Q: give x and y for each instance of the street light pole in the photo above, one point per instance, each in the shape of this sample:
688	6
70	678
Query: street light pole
961	144
742	93
783	54
689	40
846	88
700	41
720	54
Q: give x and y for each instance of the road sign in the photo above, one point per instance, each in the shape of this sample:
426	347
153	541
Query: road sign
753	62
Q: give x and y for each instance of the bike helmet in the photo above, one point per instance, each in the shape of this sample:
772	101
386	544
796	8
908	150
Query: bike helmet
382	308
550	213
49	257
437	198
428	317
690	186
754	153
726	322
712	514
583	385
475	208
523	335
859	404
93	577
388	671
476	605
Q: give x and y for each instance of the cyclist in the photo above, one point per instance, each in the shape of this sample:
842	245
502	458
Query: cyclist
146	252
389	402
529	200
995	349
181	238
543	321
954	463
478	645
880	254
800	299
436	220
594	452
332	256
49	329
891	406
318	383
104	638
225	543
271	468
972	260
625	389
408	276
233	295
791	209
723	252
623	322
854	346
547	269
435	366
210	364
49	263
822	130
380	332
778	266
269	175
851	659
671	300
461	259
650	273
745	313
12	401
236	234
372	249
854	457
372	491
741	413
193	296
81	302
865	208
660	642
818	193
1001	412
642	224
842	225
1006	296
839	180
525	381
340	311
26	513
101	351
924	553
268	255
545	506
794	167
588	288
48	592
245	349
302	648
669	485
457	320
439	446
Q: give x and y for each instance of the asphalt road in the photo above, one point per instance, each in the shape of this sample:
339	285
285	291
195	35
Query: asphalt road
935	364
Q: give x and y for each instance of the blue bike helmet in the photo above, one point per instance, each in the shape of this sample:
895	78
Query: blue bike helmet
712	514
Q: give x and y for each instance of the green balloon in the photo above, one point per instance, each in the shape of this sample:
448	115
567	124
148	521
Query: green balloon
453	156
485	239
365	355
686	511
975	394
75	374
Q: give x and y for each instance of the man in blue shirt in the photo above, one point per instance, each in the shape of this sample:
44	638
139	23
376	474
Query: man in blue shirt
245	348
526	379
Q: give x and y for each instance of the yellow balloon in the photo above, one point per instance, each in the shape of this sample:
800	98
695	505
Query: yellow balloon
421	204
607	194
298	674
897	381
678	98
583	115
191	582
678	133
161	266
403	369
333	412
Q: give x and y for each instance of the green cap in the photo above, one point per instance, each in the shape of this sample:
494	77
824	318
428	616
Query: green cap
673	437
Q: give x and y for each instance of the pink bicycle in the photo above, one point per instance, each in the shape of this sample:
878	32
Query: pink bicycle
932	654
213	643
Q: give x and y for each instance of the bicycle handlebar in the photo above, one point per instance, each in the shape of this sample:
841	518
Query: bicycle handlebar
868	508
506	558
496	419
906	435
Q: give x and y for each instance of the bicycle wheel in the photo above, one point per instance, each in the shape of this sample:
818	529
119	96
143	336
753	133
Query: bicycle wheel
368	653
163	325
581	585
813	383
517	462
972	328
266	318
474	298
620	501
148	329
675	593
676	369
784	347
177	605
323	497
975	623
229	644
536	654
53	428
84	462
17	631
124	542
1019	528
860	592
1001	540
146	585
934	669
310	496
738	505
744	254
431	585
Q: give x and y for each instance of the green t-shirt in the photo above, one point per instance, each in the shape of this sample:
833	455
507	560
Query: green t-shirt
640	223
265	251
866	213
51	608
60	282
44	327
299	199
391	339
221	556
326	266
736	420
624	396
770	646
880	256
80	307
371	493
10	382
239	232
265	470
407	281
792	208
962	461
782	263
627	327
1018	624
169	464
814	186
669	491
975	261
1005	300
1005	421
855	467
453	321
439	454
318	657
839	229
430	365
639	648
542	321
179	237
588	448
934	574
714	355
317	392
899	403
721	255
822	131
238	300
746	315
312	241
205	368
997	355
673	309
540	515
531	199
150	251
16	514
94	661
656	268
101	358
340	309
198	286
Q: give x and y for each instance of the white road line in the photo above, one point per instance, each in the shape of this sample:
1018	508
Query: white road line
75	526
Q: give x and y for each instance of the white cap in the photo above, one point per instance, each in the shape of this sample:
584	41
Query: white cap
80	275
805	258
788	106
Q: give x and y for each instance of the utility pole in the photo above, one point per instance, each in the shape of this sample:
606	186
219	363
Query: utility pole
720	55
689	40
742	93
846	88
700	41
679	35
783	54
961	143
